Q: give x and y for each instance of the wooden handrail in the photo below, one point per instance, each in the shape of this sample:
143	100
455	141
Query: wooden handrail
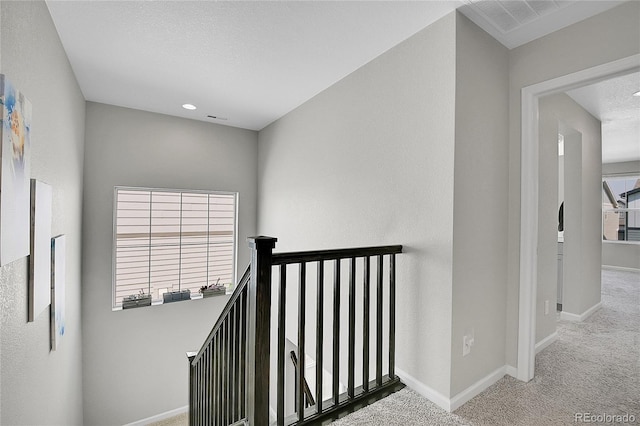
333	254
230	303
307	391
217	372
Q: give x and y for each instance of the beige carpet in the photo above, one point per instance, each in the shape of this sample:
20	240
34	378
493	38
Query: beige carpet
179	420
593	367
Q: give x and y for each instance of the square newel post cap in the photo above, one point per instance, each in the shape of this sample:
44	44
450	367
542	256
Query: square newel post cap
261	242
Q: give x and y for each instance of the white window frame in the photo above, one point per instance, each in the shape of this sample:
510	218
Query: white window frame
620	176
117	305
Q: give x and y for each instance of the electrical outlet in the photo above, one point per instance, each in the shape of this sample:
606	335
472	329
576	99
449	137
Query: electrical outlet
467	342
546	307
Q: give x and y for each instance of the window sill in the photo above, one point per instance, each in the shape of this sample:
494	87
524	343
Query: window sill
196	296
628	243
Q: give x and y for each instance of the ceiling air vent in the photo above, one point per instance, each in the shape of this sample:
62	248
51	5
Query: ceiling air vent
507	15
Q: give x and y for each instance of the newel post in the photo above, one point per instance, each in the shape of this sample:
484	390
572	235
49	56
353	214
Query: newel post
258	328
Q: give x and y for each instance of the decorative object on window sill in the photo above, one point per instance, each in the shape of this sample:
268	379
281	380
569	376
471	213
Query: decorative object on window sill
136	300
176	296
15	172
213	290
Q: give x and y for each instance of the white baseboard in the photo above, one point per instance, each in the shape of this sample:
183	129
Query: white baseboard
542	344
424	390
451	404
475	389
159	417
511	371
583	316
620	268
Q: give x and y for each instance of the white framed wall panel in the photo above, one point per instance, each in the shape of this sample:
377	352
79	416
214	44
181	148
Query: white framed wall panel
40	259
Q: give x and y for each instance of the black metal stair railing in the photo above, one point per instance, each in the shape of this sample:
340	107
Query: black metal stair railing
229	377
217	373
369	390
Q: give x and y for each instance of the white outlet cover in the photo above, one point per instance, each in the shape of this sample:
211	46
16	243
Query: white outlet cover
467	342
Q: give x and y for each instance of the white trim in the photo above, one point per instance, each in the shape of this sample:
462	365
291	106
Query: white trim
542	344
620	268
424	390
528	234
621	242
452	404
567	316
511	371
478	387
529	196
159	417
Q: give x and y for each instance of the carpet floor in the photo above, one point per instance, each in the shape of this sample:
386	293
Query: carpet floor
593	367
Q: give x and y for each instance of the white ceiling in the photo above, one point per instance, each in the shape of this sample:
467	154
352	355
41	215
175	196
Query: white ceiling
251	62
612	102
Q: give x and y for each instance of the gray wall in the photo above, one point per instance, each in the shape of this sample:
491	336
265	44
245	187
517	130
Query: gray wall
369	161
38	386
626	167
582	209
612	35
622	255
480	200
134	361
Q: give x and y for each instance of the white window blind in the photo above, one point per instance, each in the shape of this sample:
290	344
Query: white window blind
169	240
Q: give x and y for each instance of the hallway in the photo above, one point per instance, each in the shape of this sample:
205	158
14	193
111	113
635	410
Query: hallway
593	368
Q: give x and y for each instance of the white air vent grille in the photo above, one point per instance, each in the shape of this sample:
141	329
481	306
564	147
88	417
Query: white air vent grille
497	14
507	15
520	11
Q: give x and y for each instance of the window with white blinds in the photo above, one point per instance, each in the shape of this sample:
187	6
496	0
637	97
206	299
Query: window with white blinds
169	240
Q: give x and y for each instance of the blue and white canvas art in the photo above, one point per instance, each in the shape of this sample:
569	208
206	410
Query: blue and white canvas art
58	278
15	138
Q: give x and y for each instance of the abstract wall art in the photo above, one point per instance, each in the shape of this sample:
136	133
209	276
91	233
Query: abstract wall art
40	259
58	277
15	173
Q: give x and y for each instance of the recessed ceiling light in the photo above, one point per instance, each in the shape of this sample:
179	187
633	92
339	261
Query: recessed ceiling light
637	93
189	106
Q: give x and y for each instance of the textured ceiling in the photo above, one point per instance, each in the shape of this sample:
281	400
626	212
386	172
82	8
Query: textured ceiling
612	102
250	62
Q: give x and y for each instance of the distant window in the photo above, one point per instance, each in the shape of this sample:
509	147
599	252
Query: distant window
172	240
621	208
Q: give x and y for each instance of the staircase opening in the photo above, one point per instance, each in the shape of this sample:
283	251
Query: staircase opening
305	338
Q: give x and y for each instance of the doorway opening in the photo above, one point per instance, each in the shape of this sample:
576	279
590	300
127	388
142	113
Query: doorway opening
529	185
